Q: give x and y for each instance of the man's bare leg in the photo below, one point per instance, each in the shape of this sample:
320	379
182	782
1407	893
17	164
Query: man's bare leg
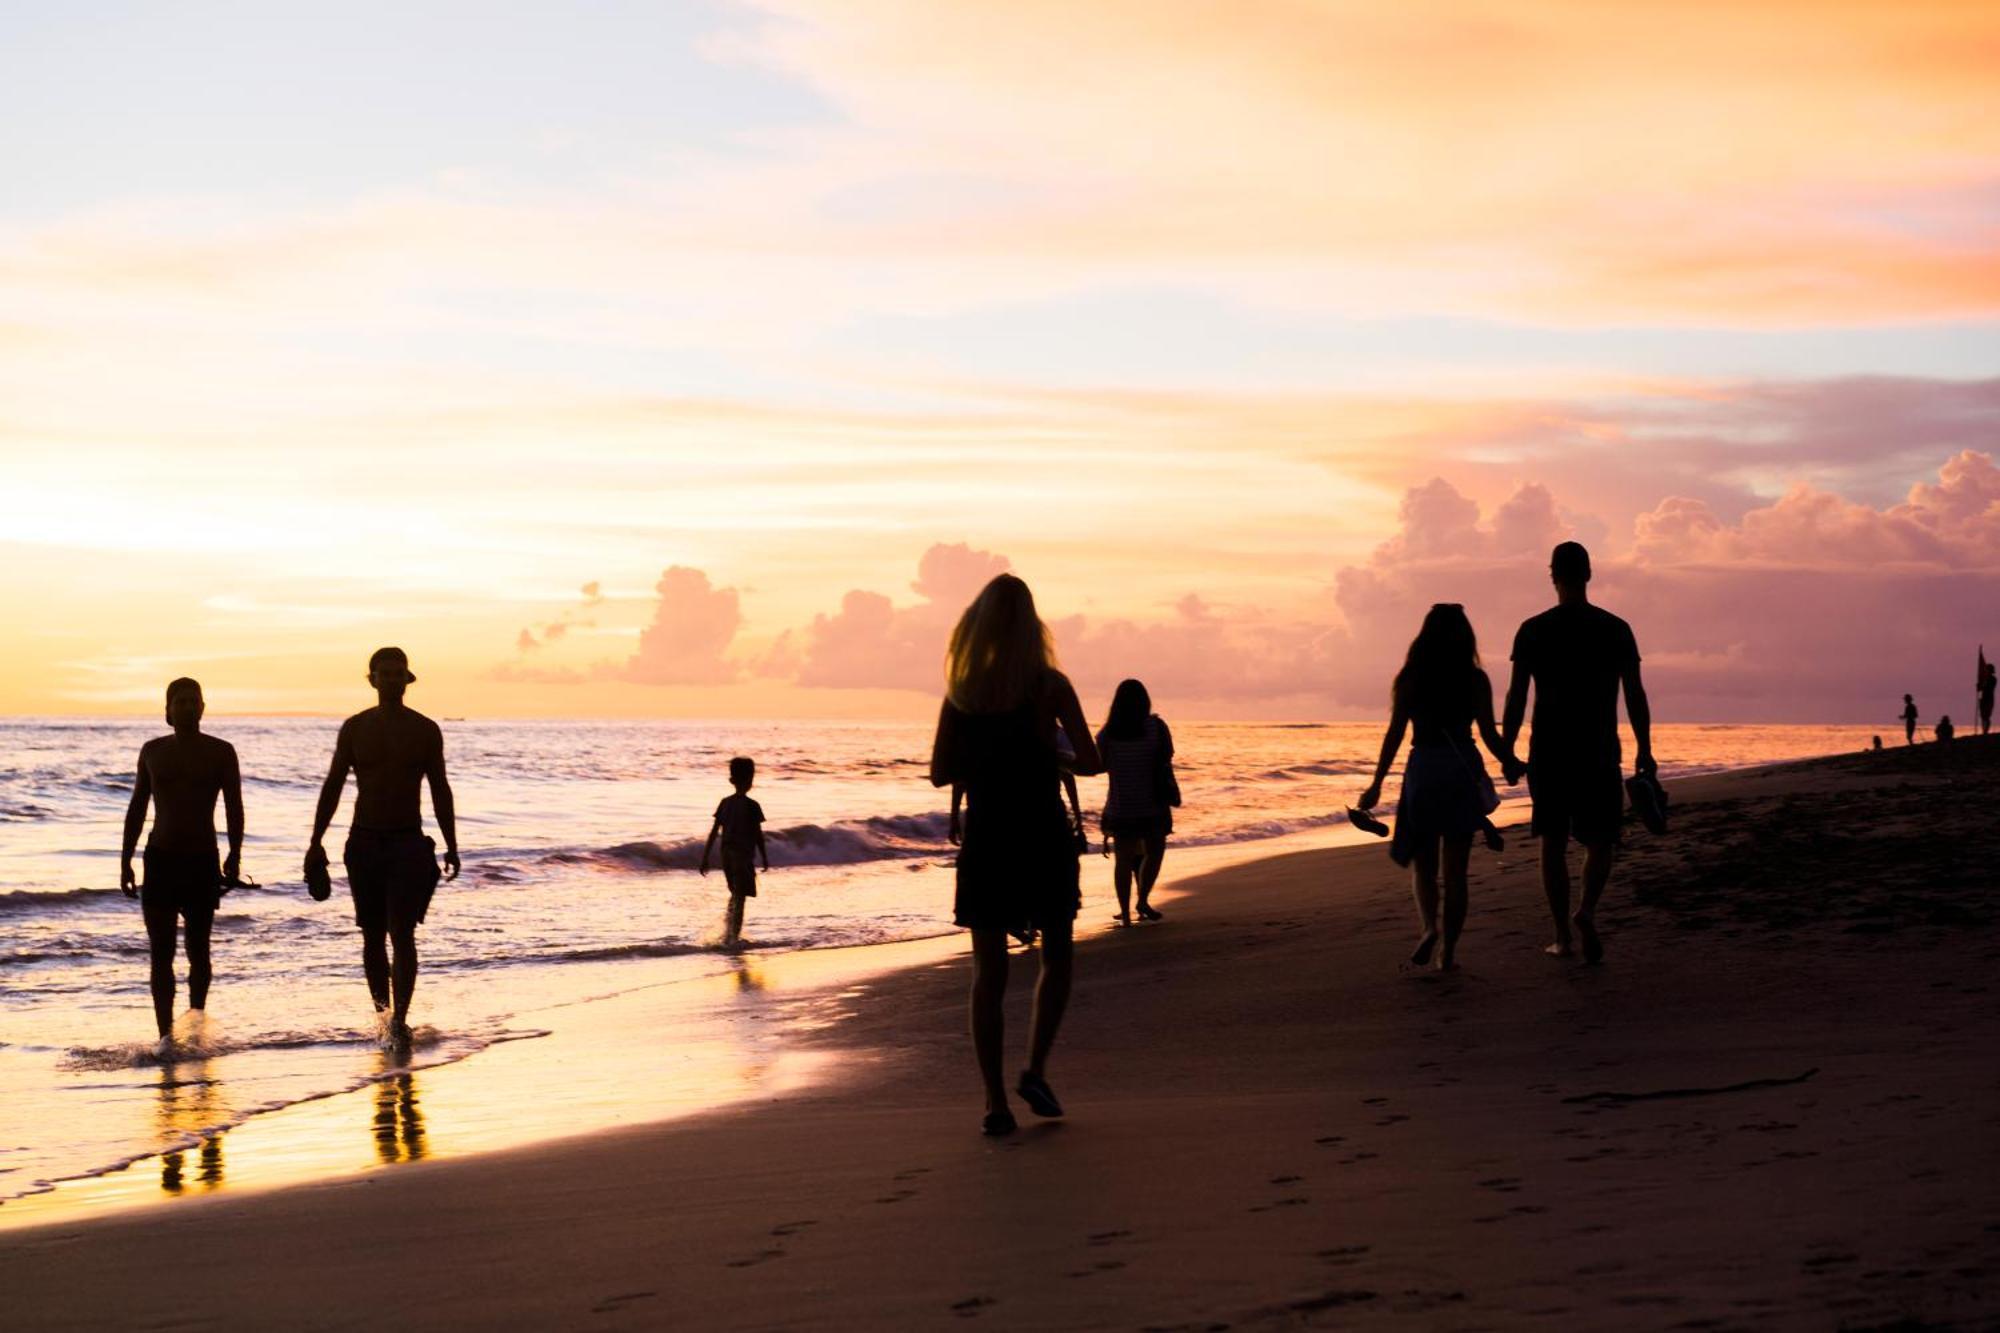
375	966
404	974
1598	859
1555	887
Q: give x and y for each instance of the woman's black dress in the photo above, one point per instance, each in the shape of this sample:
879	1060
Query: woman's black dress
1017	863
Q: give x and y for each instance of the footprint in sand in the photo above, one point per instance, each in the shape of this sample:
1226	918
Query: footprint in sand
897	1197
793	1228
912	1173
1101	1266
1328	1140
1108	1237
613	1304
1292	1202
1286	1180
761	1257
1390	1120
1502	1184
971	1306
1342	1255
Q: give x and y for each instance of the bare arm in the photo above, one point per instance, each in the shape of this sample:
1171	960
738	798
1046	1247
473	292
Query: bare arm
135	820
1069	712
942	745
1517	707
1482	714
1639	711
442	808
708	848
329	792
1392	741
232	810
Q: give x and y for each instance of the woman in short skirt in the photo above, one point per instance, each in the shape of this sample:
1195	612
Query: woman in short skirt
1439	695
1017	870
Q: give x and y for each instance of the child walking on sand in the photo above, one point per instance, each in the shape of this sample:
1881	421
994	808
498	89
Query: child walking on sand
739	822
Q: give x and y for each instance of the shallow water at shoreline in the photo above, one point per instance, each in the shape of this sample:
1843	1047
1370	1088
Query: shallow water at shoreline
81	1096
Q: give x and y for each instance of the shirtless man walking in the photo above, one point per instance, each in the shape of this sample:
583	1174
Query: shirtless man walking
391	866
1577	656
181	775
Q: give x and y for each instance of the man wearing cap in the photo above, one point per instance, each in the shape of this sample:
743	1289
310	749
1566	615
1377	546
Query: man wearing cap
1577	656
391	866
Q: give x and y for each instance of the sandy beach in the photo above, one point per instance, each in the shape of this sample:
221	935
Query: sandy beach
1775	1105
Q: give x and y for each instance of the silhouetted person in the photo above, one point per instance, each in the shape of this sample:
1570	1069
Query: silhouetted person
1138	753
181	775
1576	656
1441	693
739	823
1945	731
1877	746
1909	720
392	868
1017	863
1988	677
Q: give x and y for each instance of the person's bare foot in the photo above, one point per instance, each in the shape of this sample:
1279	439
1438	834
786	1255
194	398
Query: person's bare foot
1422	956
1560	949
1593	947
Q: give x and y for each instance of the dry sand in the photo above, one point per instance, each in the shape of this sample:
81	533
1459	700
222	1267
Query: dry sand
1273	1124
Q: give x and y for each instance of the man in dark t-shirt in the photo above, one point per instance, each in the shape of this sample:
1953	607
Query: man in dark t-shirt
1576	656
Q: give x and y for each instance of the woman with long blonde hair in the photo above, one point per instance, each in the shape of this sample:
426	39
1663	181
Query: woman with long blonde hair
1017	869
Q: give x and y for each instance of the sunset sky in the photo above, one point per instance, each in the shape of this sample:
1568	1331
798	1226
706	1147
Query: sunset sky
702	359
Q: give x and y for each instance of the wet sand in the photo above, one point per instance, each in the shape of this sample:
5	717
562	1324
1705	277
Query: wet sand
1776	1105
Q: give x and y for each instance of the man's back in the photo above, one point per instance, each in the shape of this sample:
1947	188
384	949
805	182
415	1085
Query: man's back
1577	654
391	749
187	774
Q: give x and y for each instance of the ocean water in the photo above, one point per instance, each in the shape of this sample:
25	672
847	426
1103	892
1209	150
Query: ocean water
580	843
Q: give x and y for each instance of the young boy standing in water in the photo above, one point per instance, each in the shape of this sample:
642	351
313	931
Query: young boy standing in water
181	775
739	822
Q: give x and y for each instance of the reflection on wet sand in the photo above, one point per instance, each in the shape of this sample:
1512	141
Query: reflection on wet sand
188	1106
399	1121
749	976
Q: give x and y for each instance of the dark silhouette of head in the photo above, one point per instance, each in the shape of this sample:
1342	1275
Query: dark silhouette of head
1130	707
1000	650
742	772
184	702
1441	659
1569	568
1909	699
389	672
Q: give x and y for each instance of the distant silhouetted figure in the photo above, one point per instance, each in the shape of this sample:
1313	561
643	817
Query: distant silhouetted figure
181	775
739	823
1576	656
1442	693
1017	862
1138	753
1988	677
1909	720
1945	731
392	868
1877	745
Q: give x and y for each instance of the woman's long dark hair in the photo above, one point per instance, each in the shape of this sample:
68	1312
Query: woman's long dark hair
1130	707
1442	658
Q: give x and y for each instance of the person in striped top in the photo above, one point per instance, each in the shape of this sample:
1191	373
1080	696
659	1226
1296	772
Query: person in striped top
1138	754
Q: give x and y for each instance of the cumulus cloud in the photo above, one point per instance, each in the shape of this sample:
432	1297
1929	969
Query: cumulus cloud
535	636
686	643
1810	607
872	643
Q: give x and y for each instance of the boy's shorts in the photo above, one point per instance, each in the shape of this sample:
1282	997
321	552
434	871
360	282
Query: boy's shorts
739	870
